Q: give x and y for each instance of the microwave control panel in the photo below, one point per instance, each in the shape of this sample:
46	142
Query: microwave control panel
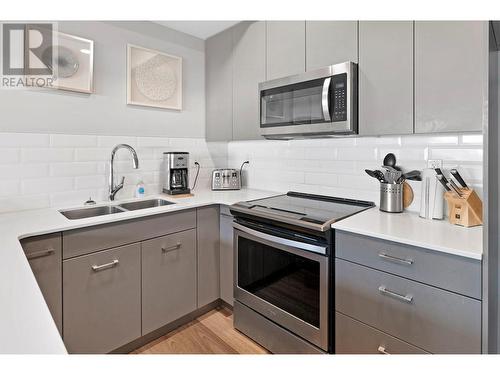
339	97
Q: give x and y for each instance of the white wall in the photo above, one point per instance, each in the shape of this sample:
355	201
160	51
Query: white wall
336	166
105	111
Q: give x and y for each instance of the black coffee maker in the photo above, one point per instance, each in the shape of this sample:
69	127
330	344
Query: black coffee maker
176	173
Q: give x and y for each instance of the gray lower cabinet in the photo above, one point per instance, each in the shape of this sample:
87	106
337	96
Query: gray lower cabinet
168	279
285	48
86	240
432	319
226	258
102	300
450	84
330	42
249	69
454	273
354	337
219	87
44	254
385	77
208	255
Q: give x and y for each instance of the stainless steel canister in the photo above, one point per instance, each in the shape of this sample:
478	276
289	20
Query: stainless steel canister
391	197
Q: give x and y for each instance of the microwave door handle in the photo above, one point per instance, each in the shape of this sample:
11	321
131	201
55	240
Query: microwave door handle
325	99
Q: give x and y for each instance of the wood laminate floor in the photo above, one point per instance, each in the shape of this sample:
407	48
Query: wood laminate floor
212	333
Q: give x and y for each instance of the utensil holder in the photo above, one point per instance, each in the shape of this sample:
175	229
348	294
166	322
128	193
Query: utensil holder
467	210
391	197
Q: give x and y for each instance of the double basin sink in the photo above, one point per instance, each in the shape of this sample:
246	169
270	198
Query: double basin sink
83	213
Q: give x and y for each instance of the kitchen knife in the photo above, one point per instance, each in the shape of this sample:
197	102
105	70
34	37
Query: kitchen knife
443	181
459	178
455	188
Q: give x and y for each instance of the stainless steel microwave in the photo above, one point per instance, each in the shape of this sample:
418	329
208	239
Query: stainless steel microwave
318	103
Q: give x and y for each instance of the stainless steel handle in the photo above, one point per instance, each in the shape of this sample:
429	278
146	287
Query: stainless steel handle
392	258
408	298
282	241
325	102
382	350
105	266
40	254
171	248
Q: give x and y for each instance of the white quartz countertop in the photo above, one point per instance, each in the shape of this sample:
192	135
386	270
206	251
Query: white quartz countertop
410	229
26	325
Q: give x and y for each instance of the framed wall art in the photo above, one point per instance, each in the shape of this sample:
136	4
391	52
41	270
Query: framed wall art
72	63
154	78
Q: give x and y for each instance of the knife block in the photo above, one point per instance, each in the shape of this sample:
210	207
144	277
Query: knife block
466	211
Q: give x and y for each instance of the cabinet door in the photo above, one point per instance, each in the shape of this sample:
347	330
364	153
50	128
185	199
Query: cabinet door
168	279
285	46
102	300
219	89
330	42
226	259
385	77
249	69
208	255
44	254
450	64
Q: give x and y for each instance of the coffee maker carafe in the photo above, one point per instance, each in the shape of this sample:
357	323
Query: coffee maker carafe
176	173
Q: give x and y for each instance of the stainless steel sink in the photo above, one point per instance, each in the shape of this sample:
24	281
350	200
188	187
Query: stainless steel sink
83	213
150	203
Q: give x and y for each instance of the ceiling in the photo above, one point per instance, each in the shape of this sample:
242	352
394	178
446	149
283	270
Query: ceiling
199	29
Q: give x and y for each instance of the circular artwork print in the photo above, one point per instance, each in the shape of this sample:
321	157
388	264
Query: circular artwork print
155	79
64	59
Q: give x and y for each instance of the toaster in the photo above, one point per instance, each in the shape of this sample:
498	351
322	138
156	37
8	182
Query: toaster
226	179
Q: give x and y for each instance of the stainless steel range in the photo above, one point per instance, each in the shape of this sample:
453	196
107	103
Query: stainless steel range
283	260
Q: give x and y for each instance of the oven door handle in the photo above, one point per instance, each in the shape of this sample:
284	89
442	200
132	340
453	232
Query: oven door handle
325	100
281	240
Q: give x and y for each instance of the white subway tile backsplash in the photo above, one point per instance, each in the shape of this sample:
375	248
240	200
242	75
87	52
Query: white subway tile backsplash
471	139
9	155
357	153
457	154
22	171
47	185
144	142
71	140
9	187
336	166
43	155
87	182
73	169
64	169
41	170
23	140
110	141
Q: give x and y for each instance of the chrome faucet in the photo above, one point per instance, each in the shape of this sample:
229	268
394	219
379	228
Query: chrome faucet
112	188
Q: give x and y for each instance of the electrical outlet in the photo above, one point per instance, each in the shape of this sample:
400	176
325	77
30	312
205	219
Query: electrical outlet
434	163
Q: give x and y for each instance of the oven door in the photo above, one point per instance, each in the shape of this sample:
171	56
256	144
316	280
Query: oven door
284	280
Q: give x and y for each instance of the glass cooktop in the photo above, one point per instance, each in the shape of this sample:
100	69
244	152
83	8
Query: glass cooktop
315	209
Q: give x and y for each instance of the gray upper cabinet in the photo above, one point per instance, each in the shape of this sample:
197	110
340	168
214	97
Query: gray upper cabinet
385	77
219	87
285	46
168	279
249	69
330	42
208	255
450	60
44	254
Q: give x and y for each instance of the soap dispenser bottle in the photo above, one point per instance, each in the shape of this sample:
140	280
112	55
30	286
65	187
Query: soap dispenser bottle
140	190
